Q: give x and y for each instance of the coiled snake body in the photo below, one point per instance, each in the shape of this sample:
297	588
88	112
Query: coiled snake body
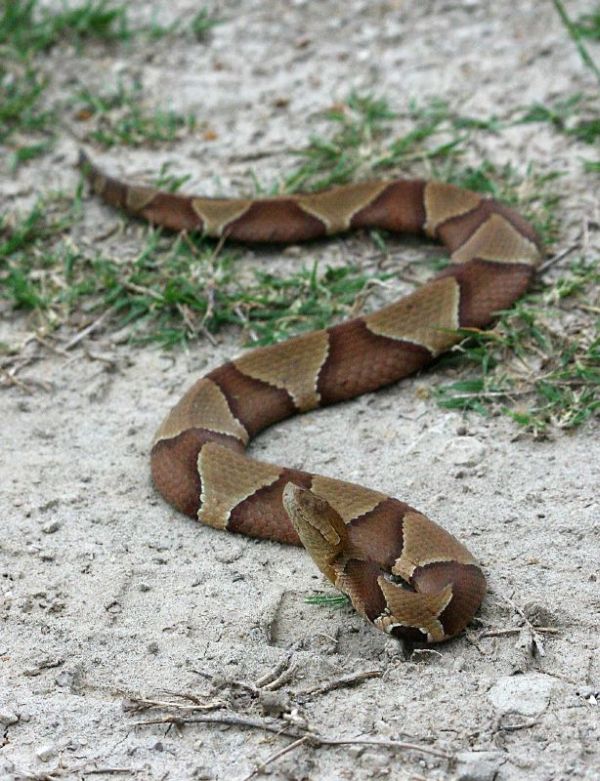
402	571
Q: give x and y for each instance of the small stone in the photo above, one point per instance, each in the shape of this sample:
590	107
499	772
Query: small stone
46	752
377	762
478	765
466	451
274	703
153	648
203	773
8	716
233	552
65	679
51	527
527	694
143	587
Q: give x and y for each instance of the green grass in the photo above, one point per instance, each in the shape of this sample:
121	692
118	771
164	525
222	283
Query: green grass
174	290
20	107
29	121
564	117
574	31
180	288
29	28
536	366
120	118
331	601
202	23
359	145
574	116
588	25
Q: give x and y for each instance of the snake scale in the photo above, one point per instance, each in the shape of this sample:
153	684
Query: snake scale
403	572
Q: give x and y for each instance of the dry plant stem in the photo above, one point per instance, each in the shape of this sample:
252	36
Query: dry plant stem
141	703
536	640
558	257
281	679
274	757
345	680
281	728
547	630
87	330
521	725
274	673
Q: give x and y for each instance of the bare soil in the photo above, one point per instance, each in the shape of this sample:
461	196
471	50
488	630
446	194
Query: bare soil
108	594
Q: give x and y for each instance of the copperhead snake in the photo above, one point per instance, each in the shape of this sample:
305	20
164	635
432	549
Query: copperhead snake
404	573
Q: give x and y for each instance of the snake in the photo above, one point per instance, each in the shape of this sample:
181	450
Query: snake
403	572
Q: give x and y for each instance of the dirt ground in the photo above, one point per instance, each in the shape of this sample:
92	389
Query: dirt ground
108	595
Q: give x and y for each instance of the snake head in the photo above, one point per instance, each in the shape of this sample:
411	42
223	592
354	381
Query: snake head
320	528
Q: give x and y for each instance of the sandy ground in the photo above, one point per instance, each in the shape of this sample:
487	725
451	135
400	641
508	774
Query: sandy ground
108	594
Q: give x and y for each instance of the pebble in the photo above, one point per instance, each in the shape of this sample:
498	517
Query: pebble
230	554
51	527
46	752
526	694
65	679
274	703
8	716
478	765
466	451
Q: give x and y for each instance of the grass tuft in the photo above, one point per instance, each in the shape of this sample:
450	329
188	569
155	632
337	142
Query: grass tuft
181	288
29	28
533	366
119	118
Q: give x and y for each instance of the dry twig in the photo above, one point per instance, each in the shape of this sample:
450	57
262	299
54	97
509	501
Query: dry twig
345	680
280	727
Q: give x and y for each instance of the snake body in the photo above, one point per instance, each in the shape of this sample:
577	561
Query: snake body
402	571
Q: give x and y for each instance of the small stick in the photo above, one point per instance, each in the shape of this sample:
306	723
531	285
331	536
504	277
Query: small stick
12	379
559	256
87	330
345	680
141	703
274	673
284	677
274	757
280	728
548	630
537	644
515	727
144	291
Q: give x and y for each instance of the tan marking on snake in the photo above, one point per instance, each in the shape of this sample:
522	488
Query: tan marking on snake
336	208
497	240
421	537
443	201
217	213
298	376
98	181
137	197
227	479
421	611
203	406
347	499
427	317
